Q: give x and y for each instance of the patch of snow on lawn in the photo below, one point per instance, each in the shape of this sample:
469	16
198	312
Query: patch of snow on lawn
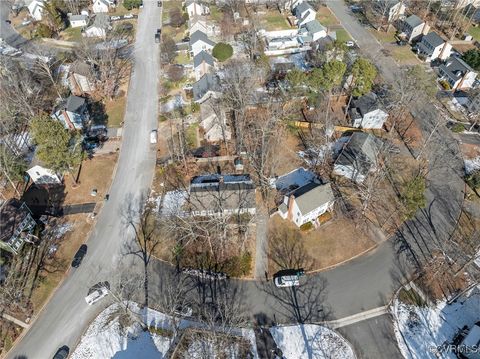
472	165
312	342
420	330
105	338
171	202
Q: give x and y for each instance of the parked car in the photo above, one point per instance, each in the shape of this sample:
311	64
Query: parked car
350	43
113	18
159	3
186	39
62	353
128	16
157	37
183	311
288	277
97	292
153	136
77	259
8	21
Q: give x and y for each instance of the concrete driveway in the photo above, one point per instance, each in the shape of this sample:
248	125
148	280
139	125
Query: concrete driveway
66	315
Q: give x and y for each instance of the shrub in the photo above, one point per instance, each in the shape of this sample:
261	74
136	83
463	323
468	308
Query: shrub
473	180
413	196
306	226
458	127
238	266
44	31
222	51
195	107
130	4
445	85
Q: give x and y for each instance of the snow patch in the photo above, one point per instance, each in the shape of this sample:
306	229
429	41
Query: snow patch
420	330
472	165
312	342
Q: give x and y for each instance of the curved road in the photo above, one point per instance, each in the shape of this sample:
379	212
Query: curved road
359	285
66	315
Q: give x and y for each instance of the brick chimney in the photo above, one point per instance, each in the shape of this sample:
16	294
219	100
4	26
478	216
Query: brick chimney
290	207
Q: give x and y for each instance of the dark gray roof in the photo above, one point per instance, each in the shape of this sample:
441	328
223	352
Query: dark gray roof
78	17
300	8
366	103
101	21
433	39
360	152
413	21
12	213
74	104
455	68
217	193
202	56
200	36
81	68
208	82
313	195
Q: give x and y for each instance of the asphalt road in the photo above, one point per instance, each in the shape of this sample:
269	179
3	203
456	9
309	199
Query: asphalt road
66	315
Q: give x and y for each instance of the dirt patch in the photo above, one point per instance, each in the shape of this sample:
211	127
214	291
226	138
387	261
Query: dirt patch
469	151
95	173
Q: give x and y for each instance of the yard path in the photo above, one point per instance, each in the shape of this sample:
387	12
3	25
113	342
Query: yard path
261	248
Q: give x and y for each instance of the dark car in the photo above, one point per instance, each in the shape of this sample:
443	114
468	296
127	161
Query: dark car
186	39
8	21
62	353
77	259
159	3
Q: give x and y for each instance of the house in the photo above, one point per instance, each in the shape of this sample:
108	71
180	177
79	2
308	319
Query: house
471	343
35	7
358	157
217	194
102	6
473	12
413	27
307	203
98	27
280	43
16	225
292	4
205	88
80	78
199	41
391	9
311	31
304	13
457	73
78	20
199	23
433	47
73	112
366	112
42	175
215	128
202	63
193	8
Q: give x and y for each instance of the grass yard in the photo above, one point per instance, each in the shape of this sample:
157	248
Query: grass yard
342	35
326	17
115	111
275	21
72	34
191	136
176	33
121	10
167	6
182	58
215	13
382	36
404	55
475	32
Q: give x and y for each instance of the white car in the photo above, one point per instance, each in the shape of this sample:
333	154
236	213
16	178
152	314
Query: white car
287	281
97	292
153	136
114	17
350	43
128	16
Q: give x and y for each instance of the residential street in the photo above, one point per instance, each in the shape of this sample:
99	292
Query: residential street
66	316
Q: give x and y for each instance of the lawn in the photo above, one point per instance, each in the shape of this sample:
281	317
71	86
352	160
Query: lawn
191	136
72	34
475	32
384	37
120	10
342	35
215	13
115	110
167	6
404	54
176	33
182	58
325	16
275	21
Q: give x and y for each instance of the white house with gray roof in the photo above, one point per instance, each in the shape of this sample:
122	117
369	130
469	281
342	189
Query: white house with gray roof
72	112
358	157
202	64
307	203
102	6
367	112
413	27
433	47
78	20
199	41
457	73
304	13
311	31
193	8
98	27
35	7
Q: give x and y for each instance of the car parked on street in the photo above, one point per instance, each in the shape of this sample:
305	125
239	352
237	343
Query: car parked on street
113	18
153	137
77	259
288	277
350	43
62	353
128	16
97	292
